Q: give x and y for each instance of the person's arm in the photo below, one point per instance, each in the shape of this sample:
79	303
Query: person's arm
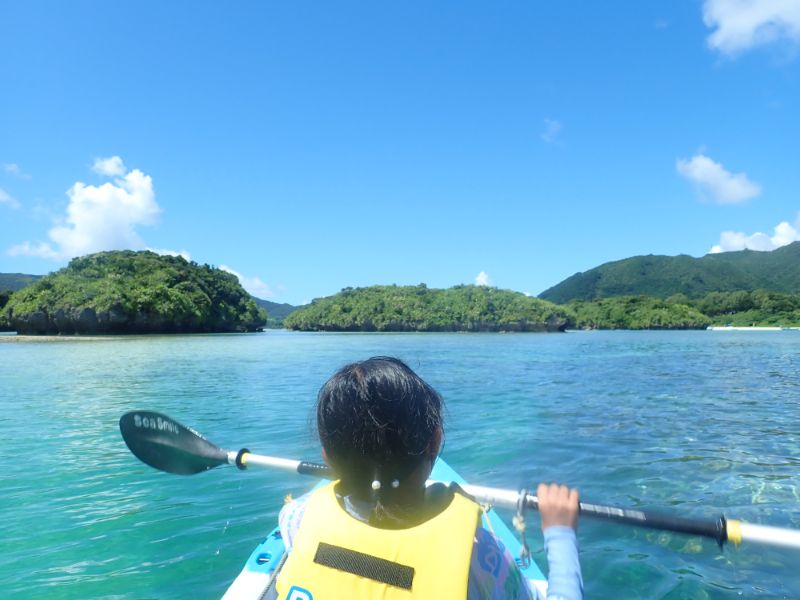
558	506
289	519
288	522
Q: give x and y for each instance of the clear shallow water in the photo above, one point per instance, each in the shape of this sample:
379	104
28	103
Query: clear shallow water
691	423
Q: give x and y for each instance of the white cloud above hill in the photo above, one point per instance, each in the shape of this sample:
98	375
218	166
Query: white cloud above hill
100	217
715	182
483	279
739	25
784	233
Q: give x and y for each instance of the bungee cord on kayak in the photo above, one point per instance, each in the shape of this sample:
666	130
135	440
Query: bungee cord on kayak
521	526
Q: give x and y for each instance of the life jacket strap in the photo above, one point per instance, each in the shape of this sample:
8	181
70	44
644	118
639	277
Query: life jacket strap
364	565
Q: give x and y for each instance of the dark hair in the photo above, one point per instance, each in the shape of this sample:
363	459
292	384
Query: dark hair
376	420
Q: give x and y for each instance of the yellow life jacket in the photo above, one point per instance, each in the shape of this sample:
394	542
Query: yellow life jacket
337	557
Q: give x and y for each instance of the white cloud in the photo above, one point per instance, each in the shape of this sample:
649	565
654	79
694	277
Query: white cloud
783	234
715	182
8	200
743	24
552	128
111	166
483	279
15	170
254	285
100	218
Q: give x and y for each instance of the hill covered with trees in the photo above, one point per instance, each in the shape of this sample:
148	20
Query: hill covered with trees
744	309
636	312
740	309
133	292
419	308
665	276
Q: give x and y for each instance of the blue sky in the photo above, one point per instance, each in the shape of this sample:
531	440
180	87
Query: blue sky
314	146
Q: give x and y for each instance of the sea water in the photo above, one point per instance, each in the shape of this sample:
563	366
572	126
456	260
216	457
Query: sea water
693	424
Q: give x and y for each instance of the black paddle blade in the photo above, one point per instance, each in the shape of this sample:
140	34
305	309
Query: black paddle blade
165	444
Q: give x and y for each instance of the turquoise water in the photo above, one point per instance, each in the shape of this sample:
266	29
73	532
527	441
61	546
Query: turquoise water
690	423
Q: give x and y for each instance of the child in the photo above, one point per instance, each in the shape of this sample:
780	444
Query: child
379	532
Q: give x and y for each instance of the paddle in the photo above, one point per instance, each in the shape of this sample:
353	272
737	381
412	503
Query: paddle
164	444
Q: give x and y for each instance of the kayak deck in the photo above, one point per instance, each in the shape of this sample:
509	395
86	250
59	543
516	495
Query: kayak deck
266	560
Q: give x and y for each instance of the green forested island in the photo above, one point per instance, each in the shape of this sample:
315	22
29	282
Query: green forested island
635	312
740	309
133	292
419	308
745	309
474	308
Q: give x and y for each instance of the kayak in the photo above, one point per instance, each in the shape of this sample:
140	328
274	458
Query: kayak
265	562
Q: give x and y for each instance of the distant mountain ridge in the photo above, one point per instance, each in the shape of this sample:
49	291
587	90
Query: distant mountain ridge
16	281
665	276
276	312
